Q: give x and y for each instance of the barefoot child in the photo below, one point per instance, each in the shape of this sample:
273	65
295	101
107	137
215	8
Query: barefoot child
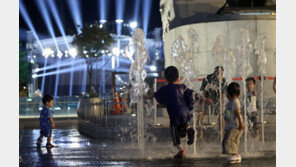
233	124
251	106
46	122
178	100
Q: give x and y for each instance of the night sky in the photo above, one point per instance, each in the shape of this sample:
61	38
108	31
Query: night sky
89	12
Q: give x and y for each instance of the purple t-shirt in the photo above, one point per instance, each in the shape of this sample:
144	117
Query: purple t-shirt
178	100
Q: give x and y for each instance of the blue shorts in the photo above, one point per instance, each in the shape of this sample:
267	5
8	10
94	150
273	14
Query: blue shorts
46	132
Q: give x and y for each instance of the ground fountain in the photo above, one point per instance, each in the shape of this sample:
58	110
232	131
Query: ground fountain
184	56
245	49
225	58
133	133
259	47
137	75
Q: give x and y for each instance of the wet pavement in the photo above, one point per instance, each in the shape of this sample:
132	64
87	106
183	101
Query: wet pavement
75	149
60	122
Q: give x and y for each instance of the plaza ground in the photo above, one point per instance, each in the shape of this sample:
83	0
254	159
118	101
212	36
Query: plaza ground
76	149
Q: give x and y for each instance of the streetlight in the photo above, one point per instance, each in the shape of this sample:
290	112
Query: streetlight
119	21
60	54
115	51
103	21
153	68
133	25
73	52
46	52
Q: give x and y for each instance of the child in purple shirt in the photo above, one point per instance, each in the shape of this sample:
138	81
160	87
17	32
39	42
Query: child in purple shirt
179	102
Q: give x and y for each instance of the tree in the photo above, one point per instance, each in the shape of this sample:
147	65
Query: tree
24	71
89	44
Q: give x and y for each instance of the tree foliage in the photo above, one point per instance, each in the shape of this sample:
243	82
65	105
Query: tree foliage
24	70
23	66
90	43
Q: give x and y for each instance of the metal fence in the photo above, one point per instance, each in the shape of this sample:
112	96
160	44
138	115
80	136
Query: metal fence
63	106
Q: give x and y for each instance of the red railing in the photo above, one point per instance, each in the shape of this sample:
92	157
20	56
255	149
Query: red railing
235	79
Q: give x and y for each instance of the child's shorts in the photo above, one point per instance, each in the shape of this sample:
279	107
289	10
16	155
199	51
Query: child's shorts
177	133
252	120
46	132
231	140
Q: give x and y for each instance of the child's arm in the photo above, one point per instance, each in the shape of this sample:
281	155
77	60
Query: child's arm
240	121
149	96
274	85
203	100
255	93
52	123
49	116
207	100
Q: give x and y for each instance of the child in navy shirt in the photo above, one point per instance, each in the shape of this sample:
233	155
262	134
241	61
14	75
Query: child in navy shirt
46	121
179	102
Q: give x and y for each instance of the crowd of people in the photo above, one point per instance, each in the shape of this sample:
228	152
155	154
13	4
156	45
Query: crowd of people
180	101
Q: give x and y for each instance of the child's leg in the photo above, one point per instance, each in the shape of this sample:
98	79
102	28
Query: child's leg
180	148
190	134
48	144
225	138
180	153
257	132
41	136
49	140
175	132
255	125
39	140
216	109
200	123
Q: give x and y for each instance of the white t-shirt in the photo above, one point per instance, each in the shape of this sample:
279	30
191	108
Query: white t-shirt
251	102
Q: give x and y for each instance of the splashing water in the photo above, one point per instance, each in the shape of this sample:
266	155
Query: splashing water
245	49
217	50
167	12
184	57
227	60
259	46
137	75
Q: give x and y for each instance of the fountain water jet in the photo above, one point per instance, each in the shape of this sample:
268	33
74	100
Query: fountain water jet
137	75
245	48
184	57
43	78
71	78
227	60
57	80
259	47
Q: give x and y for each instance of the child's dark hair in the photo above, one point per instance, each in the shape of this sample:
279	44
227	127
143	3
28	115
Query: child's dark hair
171	74
233	89
219	68
46	98
251	79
